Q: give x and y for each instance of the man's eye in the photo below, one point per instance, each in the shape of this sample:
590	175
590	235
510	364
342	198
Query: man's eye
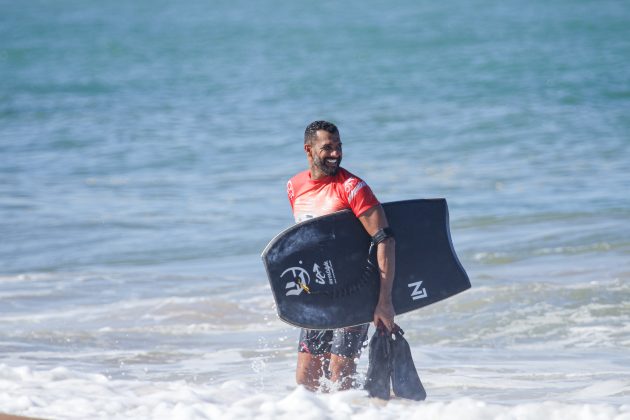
330	148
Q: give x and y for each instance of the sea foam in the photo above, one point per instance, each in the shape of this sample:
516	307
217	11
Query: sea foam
64	394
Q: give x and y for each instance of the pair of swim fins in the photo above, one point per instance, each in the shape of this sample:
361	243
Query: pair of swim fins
390	359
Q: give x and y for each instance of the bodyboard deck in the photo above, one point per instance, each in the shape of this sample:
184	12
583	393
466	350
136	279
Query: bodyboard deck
321	279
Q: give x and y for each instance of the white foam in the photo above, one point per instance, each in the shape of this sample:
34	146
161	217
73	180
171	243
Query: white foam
63	394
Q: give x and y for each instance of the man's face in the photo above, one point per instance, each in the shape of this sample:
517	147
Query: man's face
324	154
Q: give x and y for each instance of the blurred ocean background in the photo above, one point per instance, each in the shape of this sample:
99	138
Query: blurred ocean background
144	152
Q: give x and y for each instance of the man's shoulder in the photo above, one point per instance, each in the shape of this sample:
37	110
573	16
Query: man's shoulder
343	175
348	179
302	174
300	177
296	183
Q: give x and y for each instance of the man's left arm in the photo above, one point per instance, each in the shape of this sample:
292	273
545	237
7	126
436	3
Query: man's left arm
374	220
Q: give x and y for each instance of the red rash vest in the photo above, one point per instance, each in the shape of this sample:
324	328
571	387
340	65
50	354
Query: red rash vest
311	198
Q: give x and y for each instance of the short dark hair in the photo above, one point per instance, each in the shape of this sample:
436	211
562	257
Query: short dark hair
311	130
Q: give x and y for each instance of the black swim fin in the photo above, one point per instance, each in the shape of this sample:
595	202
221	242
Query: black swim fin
405	380
380	366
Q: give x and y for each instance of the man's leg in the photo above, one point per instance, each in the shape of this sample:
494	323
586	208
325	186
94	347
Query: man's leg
310	369
342	370
313	357
347	344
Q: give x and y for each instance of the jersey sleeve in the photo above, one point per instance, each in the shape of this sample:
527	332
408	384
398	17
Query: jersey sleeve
359	195
291	193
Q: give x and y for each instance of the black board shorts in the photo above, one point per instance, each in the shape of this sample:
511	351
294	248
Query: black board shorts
346	342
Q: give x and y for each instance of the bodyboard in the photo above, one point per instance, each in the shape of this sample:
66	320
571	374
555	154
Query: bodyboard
320	276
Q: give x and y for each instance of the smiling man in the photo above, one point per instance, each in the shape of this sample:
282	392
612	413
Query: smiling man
325	187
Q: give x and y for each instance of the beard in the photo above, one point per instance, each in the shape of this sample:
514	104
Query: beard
328	170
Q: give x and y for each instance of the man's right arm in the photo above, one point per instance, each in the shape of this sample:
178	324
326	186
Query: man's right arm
373	220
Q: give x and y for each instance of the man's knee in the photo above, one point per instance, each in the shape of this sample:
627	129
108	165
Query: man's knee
342	370
310	369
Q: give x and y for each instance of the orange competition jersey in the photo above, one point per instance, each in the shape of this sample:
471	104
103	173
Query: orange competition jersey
311	198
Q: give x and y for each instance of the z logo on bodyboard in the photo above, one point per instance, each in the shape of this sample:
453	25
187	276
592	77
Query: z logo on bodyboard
418	293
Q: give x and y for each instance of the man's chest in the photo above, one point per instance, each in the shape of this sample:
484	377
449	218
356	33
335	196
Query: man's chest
319	201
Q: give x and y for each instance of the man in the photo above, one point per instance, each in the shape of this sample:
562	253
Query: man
324	188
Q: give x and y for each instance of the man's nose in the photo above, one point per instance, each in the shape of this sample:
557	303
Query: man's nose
335	153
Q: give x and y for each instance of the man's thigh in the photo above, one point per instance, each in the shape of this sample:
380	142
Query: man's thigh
348	342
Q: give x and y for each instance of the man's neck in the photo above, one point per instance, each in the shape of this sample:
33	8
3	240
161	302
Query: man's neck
316	174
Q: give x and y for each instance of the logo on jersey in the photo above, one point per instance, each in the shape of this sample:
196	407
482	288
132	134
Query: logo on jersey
290	191
418	293
353	186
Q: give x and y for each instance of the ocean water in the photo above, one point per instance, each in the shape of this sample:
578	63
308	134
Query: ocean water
144	151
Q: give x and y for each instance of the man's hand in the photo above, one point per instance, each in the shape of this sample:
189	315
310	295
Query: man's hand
384	314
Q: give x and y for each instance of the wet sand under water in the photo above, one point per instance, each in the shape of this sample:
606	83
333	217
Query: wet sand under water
11	417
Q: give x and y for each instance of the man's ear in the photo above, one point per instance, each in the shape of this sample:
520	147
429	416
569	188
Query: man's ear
307	148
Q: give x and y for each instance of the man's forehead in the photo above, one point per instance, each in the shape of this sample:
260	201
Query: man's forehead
324	136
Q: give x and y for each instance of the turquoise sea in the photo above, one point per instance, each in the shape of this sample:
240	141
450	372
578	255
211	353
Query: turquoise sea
144	152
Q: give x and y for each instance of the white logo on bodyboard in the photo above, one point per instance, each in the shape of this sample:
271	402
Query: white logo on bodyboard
320	278
300	278
324	273
330	272
418	293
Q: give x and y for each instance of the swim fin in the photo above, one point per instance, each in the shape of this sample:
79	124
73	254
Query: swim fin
379	365
405	380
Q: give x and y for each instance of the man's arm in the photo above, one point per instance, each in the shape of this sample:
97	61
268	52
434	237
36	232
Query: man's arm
373	220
